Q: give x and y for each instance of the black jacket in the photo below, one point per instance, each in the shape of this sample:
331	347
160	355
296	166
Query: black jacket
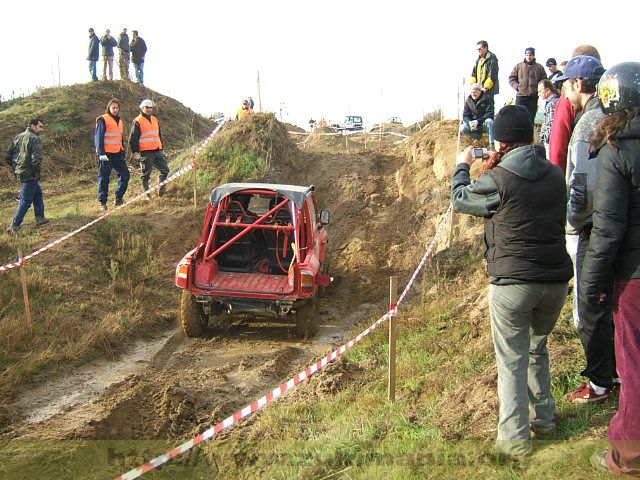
615	238
480	109
523	203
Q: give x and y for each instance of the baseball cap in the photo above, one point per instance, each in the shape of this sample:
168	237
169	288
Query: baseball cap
582	66
530	50
551	61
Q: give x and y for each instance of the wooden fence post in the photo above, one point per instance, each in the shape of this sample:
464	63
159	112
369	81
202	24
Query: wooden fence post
195	182
25	292
393	298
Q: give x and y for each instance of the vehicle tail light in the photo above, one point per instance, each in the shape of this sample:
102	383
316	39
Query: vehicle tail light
306	279
182	275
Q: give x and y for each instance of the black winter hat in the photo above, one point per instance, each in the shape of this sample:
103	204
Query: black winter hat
513	125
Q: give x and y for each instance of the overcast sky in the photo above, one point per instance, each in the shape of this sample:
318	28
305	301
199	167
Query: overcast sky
316	58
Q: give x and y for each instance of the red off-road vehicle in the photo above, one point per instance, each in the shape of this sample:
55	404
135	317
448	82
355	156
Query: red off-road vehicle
261	255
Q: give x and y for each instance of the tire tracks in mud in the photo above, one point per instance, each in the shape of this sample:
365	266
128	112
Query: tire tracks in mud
190	384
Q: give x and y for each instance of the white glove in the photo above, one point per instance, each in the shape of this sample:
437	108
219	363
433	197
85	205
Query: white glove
137	157
473	124
103	158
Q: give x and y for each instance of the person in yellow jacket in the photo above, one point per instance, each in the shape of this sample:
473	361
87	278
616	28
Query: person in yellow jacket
147	145
485	70
109	143
245	111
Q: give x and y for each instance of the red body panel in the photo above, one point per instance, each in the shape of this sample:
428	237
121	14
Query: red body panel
206	277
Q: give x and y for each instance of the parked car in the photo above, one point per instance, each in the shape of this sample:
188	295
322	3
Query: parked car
261	255
351	123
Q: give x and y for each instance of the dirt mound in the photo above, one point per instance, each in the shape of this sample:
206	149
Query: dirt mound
472	407
293	128
262	134
69	115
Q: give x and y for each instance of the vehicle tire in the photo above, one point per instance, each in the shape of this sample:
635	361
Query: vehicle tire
322	291
192	317
307	324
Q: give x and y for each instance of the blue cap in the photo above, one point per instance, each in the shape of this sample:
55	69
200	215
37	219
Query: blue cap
582	66
530	50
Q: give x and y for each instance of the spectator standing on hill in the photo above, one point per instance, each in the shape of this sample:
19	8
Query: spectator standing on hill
245	111
524	79
477	116
109	141
26	152
147	146
124	56
94	46
521	197
546	90
485	71
108	43
564	118
138	49
251	103
554	72
614	250
594	322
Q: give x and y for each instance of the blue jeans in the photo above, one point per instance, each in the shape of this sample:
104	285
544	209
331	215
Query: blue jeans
139	69
93	69
522	316
31	193
116	162
486	127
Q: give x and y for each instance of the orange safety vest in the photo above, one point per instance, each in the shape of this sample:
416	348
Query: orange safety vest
149	133
113	134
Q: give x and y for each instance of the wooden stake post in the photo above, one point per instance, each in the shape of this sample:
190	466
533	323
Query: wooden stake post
393	298
195	182
25	291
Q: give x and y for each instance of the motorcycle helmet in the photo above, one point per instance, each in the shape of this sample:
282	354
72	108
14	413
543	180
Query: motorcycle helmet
619	87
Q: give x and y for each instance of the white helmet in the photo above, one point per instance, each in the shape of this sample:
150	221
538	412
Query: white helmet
147	103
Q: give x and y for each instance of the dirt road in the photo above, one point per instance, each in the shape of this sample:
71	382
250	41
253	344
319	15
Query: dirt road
172	386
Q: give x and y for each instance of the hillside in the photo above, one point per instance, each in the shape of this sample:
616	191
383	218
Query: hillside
107	361
69	115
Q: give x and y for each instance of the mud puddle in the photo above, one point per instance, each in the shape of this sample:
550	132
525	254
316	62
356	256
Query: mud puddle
87	382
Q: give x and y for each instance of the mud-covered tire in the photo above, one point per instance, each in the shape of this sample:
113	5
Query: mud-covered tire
307	322
192	317
322	291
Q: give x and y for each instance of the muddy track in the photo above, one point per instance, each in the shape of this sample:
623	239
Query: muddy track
172	386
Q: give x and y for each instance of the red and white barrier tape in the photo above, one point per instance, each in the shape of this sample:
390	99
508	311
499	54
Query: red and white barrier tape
177	174
285	387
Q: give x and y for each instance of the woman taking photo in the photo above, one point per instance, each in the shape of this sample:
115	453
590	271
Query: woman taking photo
522	198
614	246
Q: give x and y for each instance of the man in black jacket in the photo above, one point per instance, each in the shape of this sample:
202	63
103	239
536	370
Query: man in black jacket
477	117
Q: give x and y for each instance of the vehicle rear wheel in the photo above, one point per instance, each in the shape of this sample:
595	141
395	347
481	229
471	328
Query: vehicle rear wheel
322	291
192	317
307	324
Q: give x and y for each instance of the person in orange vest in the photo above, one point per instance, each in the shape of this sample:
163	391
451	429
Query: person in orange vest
245	111
109	141
147	145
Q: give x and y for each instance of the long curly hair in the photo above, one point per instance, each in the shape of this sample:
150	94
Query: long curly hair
496	157
611	126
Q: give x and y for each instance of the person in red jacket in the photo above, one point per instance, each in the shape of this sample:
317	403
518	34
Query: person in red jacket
565	118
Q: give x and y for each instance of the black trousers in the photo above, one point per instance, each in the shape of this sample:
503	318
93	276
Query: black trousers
596	329
531	103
